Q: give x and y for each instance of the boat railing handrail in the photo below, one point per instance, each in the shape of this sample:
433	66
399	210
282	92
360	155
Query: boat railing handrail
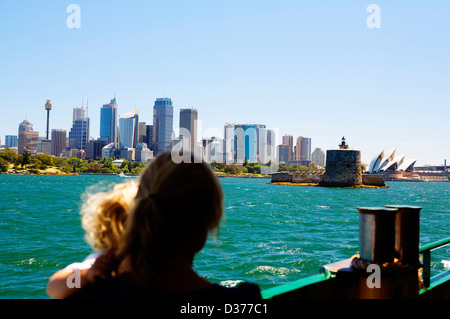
326	274
426	262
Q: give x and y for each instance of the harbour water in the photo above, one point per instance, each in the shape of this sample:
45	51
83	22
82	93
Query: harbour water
271	234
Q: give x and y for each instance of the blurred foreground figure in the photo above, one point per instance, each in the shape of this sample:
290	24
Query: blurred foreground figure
176	207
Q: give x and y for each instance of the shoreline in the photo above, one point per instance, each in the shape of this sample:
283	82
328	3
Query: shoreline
25	172
39	173
219	176
242	176
318	185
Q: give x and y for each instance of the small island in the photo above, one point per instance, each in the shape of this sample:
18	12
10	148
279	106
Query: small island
343	169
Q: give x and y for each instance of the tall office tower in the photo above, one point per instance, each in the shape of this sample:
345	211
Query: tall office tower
44	146
261	141
287	139
94	149
188	126
27	138
149	137
318	156
284	153
270	137
79	113
59	142
142	133
205	143
48	107
79	133
229	142
303	151
216	147
11	140
271	147
162	125
245	143
129	129
108	123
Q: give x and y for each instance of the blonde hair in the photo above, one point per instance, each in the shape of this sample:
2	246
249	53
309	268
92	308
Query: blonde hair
176	206
104	215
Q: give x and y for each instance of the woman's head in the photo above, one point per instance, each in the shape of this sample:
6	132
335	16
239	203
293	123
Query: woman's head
176	206
104	215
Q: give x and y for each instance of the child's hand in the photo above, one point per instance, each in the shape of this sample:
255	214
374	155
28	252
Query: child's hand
103	267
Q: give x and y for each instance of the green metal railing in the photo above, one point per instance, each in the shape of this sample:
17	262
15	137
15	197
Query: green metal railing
426	253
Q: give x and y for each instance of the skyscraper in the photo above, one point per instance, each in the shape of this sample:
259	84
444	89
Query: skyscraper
149	137
287	139
261	139
318	156
59	141
27	138
44	146
229	142
79	113
188	126
142	133
162	125
251	142
303	151
79	133
11	140
284	153
129	129
108	123
245	143
94	149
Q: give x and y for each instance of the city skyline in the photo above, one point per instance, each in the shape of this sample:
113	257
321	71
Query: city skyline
175	132
304	69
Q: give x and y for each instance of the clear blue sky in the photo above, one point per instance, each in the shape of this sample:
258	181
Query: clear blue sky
308	68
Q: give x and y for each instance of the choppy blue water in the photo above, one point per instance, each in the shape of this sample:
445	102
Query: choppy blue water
271	234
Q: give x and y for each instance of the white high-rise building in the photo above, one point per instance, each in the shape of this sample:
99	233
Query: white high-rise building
318	156
79	113
129	129
229	142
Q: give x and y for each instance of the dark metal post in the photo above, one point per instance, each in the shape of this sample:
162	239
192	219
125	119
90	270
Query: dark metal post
377	233
407	233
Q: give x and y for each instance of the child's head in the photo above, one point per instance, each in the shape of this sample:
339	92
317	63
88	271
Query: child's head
104	215
176	206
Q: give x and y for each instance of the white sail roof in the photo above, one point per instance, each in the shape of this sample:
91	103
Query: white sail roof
407	165
388	161
376	162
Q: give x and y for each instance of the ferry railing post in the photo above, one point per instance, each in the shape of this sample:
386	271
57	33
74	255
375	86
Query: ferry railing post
389	238
407	241
377	248
407	234
377	234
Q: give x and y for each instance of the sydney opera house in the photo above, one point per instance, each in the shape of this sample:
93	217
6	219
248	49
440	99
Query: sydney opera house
392	166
